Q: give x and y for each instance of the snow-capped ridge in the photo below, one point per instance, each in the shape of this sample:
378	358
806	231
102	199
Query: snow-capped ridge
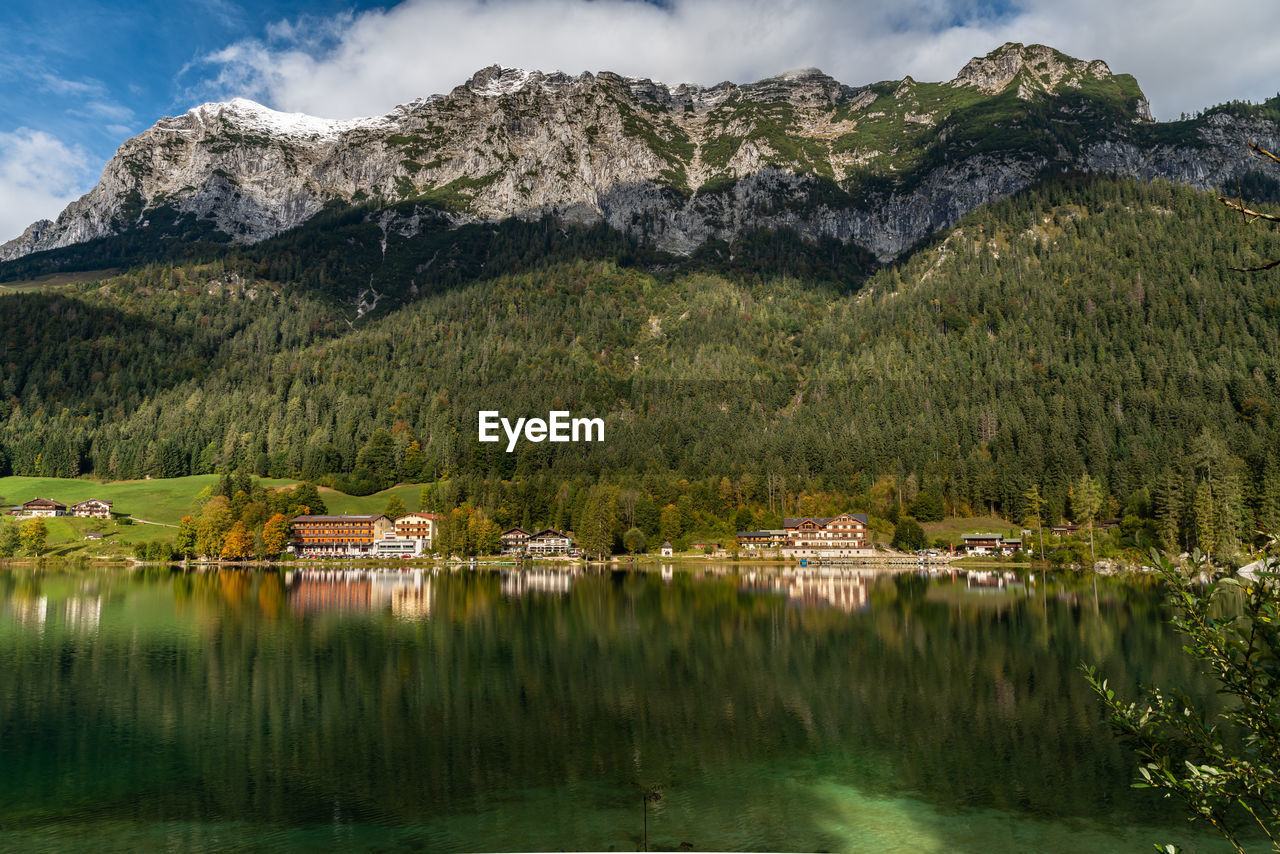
254	116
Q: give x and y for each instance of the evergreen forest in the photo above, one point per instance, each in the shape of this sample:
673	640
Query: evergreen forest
1088	326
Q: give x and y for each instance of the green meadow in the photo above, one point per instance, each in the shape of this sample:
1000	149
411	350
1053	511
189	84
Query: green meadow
154	508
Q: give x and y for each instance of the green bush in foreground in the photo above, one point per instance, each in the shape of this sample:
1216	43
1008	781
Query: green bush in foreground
1226	768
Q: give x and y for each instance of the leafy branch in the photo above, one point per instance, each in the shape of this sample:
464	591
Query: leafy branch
1225	768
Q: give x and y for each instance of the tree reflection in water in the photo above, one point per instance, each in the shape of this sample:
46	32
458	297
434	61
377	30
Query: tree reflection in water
484	706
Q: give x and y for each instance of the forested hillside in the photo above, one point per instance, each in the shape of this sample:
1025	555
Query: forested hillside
1090	325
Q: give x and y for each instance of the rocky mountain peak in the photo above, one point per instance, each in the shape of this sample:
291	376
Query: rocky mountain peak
1045	70
883	165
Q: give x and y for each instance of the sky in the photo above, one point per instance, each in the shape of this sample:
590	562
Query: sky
78	77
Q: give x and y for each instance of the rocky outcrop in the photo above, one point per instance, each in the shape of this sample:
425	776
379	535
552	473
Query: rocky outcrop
882	165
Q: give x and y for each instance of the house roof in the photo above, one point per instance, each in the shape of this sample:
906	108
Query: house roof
369	517
667	545
92	501
794	521
418	515
549	532
44	502
982	536
515	531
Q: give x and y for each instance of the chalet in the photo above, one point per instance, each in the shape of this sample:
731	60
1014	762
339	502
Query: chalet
94	508
990	544
840	536
418	526
513	541
668	550
392	545
1064	530
773	539
549	542
702	547
44	507
339	536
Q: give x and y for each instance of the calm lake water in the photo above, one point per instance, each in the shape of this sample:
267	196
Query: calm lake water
488	711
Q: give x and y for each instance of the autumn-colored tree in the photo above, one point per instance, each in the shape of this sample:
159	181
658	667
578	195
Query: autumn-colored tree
188	532
34	536
275	534
215	521
238	544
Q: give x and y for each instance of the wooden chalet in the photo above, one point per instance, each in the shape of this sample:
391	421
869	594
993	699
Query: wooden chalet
513	541
44	507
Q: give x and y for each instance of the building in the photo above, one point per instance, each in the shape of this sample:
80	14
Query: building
513	541
846	535
990	544
702	547
418	526
395	546
668	550
339	536
44	507
772	539
549	543
94	508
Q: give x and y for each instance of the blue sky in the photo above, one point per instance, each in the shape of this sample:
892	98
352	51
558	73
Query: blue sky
77	77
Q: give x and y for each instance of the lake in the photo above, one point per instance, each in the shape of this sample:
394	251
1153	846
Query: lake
770	709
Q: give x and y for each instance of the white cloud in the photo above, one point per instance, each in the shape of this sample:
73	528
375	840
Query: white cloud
39	176
1186	55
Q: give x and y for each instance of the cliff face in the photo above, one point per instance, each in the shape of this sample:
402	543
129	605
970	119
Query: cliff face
883	165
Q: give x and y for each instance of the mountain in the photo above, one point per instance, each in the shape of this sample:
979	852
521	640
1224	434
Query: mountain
882	166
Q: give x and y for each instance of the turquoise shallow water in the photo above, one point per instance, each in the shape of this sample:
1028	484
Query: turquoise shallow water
403	711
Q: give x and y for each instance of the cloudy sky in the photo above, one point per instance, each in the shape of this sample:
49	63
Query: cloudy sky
79	77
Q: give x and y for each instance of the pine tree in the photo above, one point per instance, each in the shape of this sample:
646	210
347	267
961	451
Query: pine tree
1086	500
395	508
1034	507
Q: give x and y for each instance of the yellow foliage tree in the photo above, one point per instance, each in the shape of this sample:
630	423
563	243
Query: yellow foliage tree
275	534
238	544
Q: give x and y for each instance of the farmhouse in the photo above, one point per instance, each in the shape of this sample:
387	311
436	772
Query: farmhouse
44	507
93	508
827	537
339	536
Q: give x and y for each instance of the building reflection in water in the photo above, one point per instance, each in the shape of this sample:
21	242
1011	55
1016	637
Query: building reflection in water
547	581
409	595
848	590
76	613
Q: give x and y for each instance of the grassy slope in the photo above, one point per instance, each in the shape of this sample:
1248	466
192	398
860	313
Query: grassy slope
163	501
